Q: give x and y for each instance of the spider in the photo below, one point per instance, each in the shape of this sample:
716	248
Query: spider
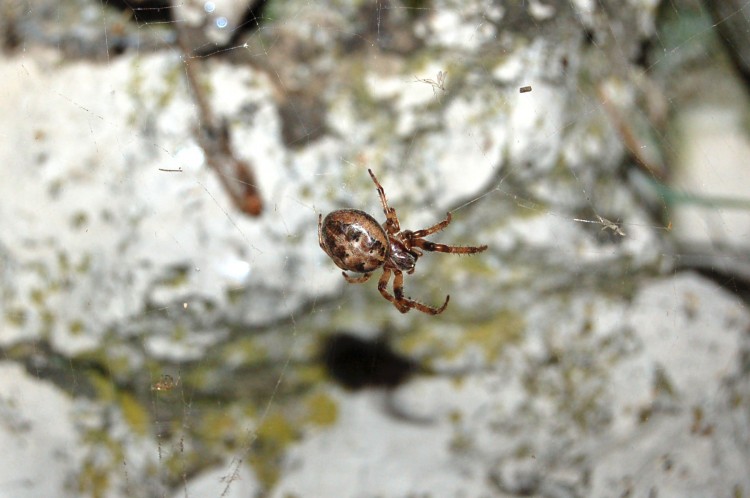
356	242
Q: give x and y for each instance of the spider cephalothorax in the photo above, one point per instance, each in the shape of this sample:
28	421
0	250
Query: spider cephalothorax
356	242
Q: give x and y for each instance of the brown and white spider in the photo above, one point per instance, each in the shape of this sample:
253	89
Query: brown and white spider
356	242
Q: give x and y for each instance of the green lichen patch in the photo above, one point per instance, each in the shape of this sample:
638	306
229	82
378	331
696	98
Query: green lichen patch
93	480
492	336
79	220
16	316
76	327
219	426
103	386
104	458
246	351
275	433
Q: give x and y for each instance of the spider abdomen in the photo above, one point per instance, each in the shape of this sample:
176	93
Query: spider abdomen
354	240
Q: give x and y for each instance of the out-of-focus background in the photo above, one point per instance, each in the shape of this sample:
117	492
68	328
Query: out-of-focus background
170	327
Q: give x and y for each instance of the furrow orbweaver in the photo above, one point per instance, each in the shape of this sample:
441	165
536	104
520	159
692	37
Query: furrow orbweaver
356	242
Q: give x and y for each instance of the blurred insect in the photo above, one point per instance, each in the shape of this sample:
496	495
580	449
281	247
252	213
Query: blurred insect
606	224
525	89
437	84
165	383
356	242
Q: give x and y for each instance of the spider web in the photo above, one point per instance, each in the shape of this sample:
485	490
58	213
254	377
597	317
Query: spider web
163	338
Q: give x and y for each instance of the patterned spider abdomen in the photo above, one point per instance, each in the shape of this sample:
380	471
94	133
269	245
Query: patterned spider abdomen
354	240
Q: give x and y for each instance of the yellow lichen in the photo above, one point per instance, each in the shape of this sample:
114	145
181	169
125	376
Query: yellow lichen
322	409
218	426
274	434
37	297
105	389
76	327
79	220
135	415
93	480
492	336
15	316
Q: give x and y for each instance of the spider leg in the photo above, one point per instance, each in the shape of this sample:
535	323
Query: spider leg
357	280
407	303
391	223
431	246
383	288
434	228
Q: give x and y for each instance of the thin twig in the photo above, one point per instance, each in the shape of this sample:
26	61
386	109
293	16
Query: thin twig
236	176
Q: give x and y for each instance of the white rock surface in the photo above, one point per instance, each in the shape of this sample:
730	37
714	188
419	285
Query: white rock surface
648	409
572	361
38	435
